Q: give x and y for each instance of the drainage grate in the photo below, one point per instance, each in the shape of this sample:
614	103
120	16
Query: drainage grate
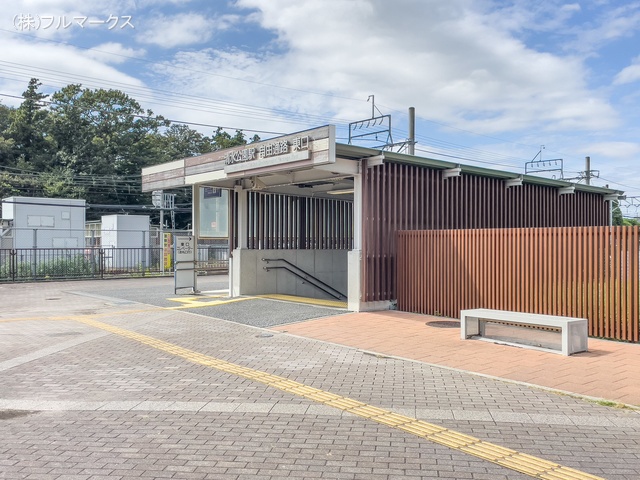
443	324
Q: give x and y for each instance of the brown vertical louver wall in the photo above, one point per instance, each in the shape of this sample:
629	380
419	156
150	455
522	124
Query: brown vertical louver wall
408	197
278	221
585	272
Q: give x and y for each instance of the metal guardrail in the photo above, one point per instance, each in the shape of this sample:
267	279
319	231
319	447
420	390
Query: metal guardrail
38	264
306	276
212	257
42	264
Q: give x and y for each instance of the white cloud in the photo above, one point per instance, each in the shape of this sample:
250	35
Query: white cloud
183	29
533	15
157	3
57	66
629	74
487	66
446	59
614	150
114	53
616	23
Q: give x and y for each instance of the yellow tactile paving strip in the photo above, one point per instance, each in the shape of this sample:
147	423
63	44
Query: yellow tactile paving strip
506	457
307	300
204	301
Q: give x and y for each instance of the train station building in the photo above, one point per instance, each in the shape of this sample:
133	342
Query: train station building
308	216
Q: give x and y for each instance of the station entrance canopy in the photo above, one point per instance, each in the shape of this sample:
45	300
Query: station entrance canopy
301	163
292	200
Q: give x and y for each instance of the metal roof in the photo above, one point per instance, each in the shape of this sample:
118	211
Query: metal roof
357	152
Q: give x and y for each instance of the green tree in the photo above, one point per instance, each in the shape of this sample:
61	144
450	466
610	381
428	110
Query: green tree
617	219
7	144
102	132
630	222
222	139
60	183
14	185
181	141
104	138
93	144
27	129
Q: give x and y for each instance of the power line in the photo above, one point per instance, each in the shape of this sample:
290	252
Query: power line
94	206
35	38
620	184
251	111
164	64
458	157
195	102
309	119
183	122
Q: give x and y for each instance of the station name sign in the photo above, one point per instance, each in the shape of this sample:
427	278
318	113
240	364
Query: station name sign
297	151
267	150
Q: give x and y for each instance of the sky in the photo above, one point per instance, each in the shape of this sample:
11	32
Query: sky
494	83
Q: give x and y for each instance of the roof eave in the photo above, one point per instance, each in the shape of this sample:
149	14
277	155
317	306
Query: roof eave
354	152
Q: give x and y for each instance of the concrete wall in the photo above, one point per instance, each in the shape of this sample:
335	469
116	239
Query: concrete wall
126	239
125	231
58	222
250	278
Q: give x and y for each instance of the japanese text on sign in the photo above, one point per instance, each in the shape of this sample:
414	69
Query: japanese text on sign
184	247
26	22
267	150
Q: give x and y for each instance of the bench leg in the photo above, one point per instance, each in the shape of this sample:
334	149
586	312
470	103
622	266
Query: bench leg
566	334
469	326
577	338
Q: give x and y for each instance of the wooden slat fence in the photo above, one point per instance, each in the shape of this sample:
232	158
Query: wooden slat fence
410	197
586	272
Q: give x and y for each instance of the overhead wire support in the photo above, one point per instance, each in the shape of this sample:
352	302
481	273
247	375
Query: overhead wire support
376	129
629	206
545	165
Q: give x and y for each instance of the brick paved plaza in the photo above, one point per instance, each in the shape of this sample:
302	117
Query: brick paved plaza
79	401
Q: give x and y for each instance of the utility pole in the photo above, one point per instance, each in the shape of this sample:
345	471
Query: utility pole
412	130
373	105
588	174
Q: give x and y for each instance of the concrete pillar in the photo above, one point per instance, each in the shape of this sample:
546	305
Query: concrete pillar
195	211
354	289
235	260
235	273
354	259
243	199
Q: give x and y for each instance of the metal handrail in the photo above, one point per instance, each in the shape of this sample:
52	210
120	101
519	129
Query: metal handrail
326	288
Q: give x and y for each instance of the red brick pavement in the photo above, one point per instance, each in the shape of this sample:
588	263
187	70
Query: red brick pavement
609	370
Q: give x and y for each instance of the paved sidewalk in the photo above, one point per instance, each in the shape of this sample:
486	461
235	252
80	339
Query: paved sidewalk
609	370
109	380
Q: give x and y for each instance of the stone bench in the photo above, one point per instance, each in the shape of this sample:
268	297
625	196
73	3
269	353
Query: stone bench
574	331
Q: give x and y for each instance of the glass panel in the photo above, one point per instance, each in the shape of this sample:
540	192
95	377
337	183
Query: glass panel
214	212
